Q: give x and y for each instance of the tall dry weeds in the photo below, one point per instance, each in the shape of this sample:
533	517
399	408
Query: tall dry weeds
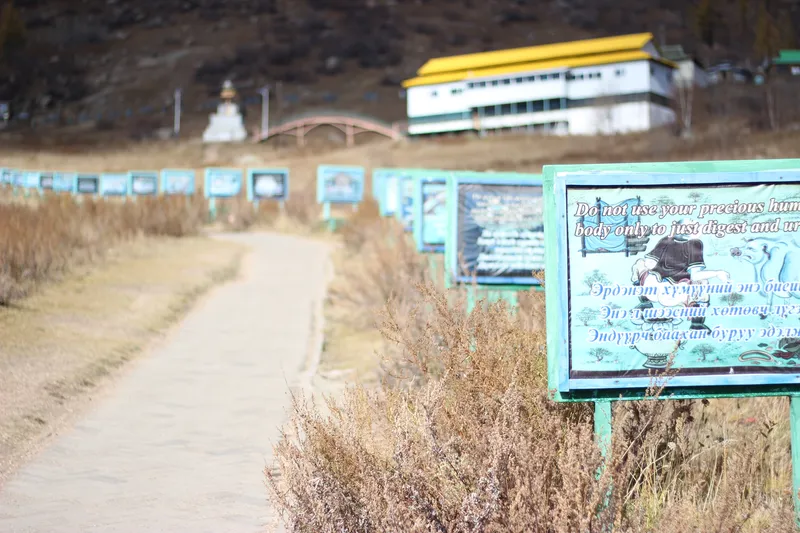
462	435
41	239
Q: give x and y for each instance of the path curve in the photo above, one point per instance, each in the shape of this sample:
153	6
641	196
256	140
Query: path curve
180	442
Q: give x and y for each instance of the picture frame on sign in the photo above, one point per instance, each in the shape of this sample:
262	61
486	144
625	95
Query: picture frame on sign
113	184
223	182
430	210
143	183
64	181
46	181
177	181
267	184
340	184
87	184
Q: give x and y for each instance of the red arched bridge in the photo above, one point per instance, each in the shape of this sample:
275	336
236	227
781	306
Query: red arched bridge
348	123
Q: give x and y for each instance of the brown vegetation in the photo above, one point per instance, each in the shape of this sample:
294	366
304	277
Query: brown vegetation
462	436
41	239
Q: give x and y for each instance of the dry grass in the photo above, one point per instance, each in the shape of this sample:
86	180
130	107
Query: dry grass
41	239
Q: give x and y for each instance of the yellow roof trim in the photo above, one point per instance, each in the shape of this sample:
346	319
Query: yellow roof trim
528	54
600	59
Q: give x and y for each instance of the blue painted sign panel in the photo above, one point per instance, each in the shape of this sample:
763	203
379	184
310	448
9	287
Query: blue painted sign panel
267	184
114	184
46	181
177	181
6	175
695	271
143	183
223	182
63	181
30	179
340	185
498	229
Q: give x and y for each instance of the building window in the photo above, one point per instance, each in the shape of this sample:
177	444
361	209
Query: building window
470	85
554	103
531	78
506	81
434	94
556	76
456	91
537	105
505	109
619	72
495	83
520	80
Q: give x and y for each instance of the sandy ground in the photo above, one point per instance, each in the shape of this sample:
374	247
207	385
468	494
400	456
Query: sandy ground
181	440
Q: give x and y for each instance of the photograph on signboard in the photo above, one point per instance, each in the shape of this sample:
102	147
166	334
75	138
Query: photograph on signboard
17	178
6	175
223	182
430	211
701	277
46	181
499	231
114	184
87	183
343	185
177	181
144	183
268	184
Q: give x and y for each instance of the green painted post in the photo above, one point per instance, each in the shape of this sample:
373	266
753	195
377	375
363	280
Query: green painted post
794	424
602	426
212	209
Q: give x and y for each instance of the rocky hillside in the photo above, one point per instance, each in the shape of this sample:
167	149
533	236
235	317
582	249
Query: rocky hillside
80	60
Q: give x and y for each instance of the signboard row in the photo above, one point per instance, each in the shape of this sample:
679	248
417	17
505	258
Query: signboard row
261	184
489	225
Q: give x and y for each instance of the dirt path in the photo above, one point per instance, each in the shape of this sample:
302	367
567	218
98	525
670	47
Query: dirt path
181	441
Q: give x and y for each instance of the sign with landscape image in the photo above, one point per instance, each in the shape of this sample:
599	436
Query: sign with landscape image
499	230
46	181
699	275
223	182
144	183
340	184
114	184
268	184
177	181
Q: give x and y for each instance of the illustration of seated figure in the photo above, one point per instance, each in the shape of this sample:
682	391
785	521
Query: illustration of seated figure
676	260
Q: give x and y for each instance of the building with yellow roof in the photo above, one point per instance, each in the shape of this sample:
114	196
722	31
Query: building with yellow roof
607	85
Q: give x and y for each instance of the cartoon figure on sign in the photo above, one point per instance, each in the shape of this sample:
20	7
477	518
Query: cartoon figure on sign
773	260
674	261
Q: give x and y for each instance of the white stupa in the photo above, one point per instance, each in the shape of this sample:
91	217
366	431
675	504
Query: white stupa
226	125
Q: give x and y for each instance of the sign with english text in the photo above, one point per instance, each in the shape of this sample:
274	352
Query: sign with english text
693	271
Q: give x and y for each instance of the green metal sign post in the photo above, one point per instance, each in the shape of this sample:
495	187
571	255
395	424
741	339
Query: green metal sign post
642	260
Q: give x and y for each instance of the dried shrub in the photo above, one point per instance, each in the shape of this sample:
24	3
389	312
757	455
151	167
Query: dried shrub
462	435
40	239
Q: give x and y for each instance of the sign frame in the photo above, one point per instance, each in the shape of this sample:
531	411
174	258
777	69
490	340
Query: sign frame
420	179
153	174
207	181
251	197
122	176
404	179
64	177
78	176
557	178
451	244
321	169
164	177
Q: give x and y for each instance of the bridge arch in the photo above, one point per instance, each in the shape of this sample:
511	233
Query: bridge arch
350	124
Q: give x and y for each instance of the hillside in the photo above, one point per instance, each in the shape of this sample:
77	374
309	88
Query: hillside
77	62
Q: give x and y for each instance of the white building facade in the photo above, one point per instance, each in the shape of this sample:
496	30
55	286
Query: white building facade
614	91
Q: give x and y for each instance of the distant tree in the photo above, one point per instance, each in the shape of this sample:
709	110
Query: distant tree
707	21
664	200
586	315
733	298
695	196
12	28
702	350
595	277
599	353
